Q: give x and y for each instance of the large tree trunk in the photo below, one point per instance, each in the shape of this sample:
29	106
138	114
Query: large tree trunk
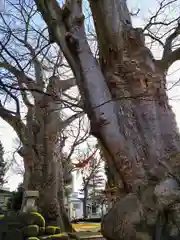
147	126
41	141
41	153
43	178
130	115
61	196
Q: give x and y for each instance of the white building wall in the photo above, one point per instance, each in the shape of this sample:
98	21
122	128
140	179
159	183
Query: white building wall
76	181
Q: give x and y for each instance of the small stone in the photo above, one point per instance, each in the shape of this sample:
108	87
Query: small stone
50	230
31	231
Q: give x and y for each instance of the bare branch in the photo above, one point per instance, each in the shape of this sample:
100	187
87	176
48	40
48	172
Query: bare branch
170	56
135	13
63	85
78	139
22	79
9	54
5	89
68	121
168	44
152	21
14	121
12	86
74	102
37	64
153	37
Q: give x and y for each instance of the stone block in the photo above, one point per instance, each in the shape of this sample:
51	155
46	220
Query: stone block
31	231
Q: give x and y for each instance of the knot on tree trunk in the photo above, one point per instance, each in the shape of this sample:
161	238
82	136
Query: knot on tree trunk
153	215
167	192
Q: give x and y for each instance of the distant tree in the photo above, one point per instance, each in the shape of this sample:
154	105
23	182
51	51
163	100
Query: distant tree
96	181
15	201
3	165
93	182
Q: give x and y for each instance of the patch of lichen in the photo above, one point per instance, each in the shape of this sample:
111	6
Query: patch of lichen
31	231
32	226
40	218
33	238
60	236
52	230
31	218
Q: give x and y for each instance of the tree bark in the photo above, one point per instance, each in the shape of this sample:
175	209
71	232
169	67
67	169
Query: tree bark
42	156
147	124
41	140
40	135
85	202
66	225
130	116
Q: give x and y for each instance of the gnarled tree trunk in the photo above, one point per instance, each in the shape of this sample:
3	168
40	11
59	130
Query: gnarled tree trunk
42	97
40	139
129	113
42	154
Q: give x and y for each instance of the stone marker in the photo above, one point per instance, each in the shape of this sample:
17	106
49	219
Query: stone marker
30	201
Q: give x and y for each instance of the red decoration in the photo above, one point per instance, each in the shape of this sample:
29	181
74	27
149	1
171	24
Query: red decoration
85	162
